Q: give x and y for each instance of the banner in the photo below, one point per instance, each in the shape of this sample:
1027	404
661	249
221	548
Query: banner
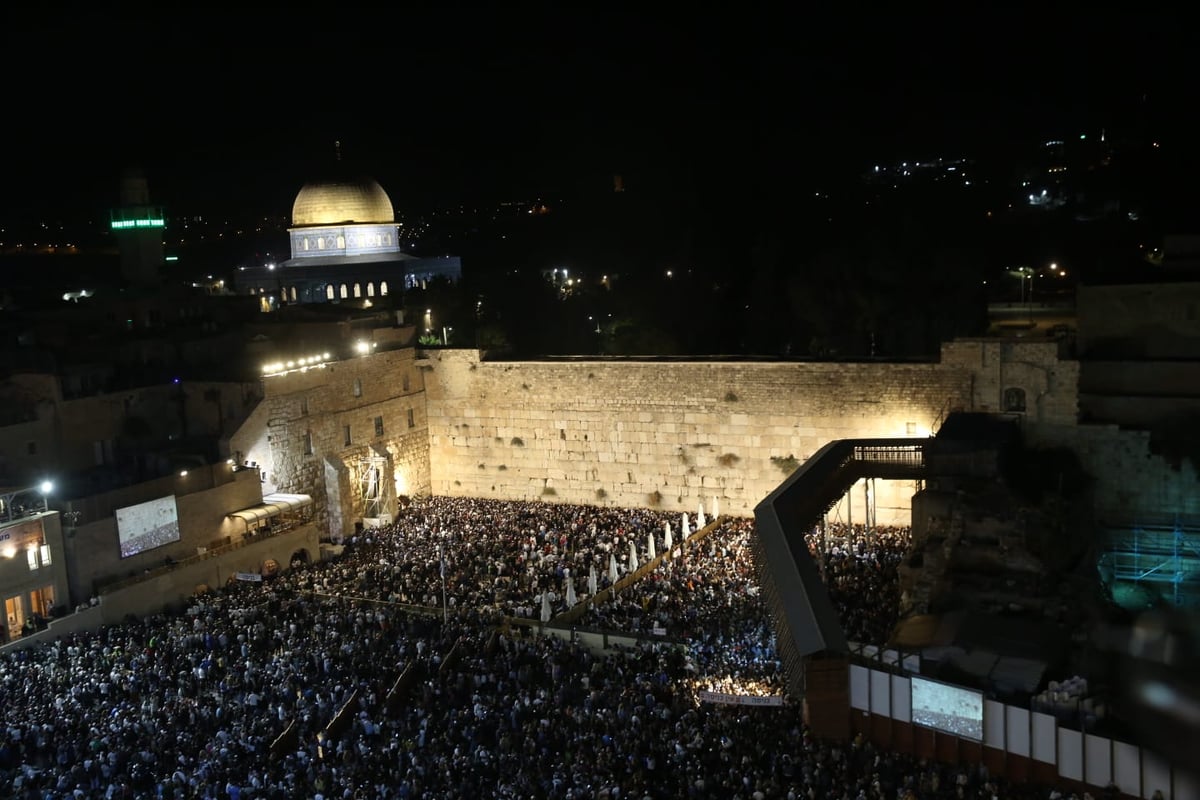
740	699
248	576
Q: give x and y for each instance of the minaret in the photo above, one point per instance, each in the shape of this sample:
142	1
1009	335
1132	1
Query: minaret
138	227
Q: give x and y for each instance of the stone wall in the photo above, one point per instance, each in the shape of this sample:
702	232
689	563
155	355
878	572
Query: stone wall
1131	483
666	434
1003	371
316	431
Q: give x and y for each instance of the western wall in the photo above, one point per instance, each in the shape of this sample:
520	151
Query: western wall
666	434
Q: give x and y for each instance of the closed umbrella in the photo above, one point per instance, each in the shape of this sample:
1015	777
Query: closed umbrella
612	568
684	528
592	581
545	606
570	592
633	562
650	545
667	542
716	509
700	523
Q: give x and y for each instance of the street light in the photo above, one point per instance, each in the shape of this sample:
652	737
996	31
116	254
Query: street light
46	488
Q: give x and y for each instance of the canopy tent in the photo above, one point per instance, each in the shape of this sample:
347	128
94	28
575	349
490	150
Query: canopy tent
272	506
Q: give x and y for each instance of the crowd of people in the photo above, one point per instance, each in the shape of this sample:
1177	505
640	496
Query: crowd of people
324	682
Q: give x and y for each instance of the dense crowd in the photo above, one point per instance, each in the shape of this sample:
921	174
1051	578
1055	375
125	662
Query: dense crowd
322	682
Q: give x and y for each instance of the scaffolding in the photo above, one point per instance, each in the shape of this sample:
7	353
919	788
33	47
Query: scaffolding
1158	554
375	489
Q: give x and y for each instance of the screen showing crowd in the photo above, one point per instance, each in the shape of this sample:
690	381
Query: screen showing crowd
147	525
947	708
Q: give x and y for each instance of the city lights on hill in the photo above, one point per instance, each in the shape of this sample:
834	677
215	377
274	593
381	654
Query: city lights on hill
295	365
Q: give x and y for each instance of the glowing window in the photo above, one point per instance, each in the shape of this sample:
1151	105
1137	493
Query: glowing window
306	244
345	292
358	290
329	292
370	290
383	288
341	242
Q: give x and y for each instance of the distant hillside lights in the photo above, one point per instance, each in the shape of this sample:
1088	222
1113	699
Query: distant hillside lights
296	365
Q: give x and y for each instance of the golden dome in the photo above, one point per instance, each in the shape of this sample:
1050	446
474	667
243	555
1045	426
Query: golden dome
338	202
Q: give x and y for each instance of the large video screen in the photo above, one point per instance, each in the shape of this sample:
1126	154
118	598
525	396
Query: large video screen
948	708
147	525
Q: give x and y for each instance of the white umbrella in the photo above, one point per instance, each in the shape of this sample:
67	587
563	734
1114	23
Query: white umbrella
667	536
650	544
592	581
545	606
716	509
612	568
684	529
700	511
700	518
570	592
633	562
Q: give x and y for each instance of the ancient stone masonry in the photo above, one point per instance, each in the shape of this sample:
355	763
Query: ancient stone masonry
665	434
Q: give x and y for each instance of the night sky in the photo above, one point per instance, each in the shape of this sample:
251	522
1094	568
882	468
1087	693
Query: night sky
233	111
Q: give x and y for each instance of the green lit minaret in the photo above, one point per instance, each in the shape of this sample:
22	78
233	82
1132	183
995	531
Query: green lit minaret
138	226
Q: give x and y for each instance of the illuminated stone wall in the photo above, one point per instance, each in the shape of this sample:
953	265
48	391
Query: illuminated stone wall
666	434
297	435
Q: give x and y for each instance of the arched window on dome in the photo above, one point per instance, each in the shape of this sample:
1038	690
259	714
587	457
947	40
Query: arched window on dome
370	290
306	242
345	292
387	239
341	242
378	240
329	291
293	294
358	290
383	288
320	242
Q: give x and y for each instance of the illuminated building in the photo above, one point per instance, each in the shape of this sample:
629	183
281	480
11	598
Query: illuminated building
138	227
345	247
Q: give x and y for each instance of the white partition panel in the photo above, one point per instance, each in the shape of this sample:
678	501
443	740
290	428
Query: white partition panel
1044	744
1016	732
1156	775
1097	760
912	663
901	699
1187	784
860	688
1127	768
993	724
881	693
1070	754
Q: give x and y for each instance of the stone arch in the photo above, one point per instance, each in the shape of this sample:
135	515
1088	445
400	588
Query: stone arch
299	558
